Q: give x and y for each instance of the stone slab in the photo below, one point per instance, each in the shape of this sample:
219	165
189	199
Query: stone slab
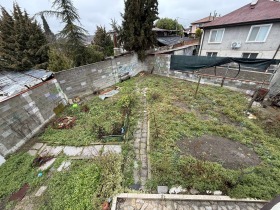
64	166
32	152
37	146
112	149
47	165
72	151
41	191
55	151
91	151
45	151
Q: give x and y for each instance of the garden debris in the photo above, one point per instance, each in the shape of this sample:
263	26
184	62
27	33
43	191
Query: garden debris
39	161
64	122
251	116
177	190
47	165
2	160
105	206
261	93
162	189
64	166
19	195
76	100
194	191
41	190
135	187
85	108
108	94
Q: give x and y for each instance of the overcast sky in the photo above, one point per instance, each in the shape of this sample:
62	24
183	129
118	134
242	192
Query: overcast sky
100	12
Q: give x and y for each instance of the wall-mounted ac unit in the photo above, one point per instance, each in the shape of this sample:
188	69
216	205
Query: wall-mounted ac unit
235	45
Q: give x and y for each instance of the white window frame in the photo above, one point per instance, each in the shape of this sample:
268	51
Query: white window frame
249	54
254	26
210	54
220	29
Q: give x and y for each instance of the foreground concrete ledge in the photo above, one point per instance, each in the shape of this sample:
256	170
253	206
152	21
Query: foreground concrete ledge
176	197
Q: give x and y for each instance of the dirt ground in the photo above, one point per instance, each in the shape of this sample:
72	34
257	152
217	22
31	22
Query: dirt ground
230	154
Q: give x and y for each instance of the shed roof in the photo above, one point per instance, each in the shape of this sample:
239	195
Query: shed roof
12	83
264	11
171	40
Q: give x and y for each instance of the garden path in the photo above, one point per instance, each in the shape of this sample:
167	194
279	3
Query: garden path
141	145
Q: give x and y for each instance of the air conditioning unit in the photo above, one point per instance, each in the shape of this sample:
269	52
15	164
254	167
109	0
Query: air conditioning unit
235	45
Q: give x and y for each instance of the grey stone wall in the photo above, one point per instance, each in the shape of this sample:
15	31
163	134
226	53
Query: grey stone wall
24	115
85	80
247	81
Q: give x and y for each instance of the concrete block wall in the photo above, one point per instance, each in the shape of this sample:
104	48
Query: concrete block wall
247	81
22	116
87	79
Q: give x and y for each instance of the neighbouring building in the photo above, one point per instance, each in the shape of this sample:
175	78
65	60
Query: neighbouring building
249	32
200	23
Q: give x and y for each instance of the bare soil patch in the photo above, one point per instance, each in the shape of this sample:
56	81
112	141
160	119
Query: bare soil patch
228	153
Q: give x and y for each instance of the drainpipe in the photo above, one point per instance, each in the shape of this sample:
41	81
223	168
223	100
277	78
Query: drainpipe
201	43
276	52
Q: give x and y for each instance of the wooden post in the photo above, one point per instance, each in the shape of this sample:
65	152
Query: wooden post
197	87
224	78
252	100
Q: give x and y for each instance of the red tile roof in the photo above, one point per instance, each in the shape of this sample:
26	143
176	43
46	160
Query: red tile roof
205	20
263	11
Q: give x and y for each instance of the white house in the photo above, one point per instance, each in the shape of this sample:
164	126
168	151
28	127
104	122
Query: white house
253	31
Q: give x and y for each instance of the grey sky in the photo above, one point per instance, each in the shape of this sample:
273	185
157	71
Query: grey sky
96	12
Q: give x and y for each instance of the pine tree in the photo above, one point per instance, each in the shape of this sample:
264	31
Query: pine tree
72	32
48	33
103	40
22	42
7	40
138	20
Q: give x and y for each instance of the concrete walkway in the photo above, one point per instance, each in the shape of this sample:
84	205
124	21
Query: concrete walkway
141	167
74	152
183	202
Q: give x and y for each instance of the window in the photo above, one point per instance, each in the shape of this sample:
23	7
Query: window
212	54
250	55
216	35
259	33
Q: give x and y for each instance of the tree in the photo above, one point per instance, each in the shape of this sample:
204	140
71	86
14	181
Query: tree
103	40
48	33
22	42
138	19
169	24
72	32
198	33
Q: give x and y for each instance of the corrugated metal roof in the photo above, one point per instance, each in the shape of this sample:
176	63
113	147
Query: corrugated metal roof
264	10
12	83
171	40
